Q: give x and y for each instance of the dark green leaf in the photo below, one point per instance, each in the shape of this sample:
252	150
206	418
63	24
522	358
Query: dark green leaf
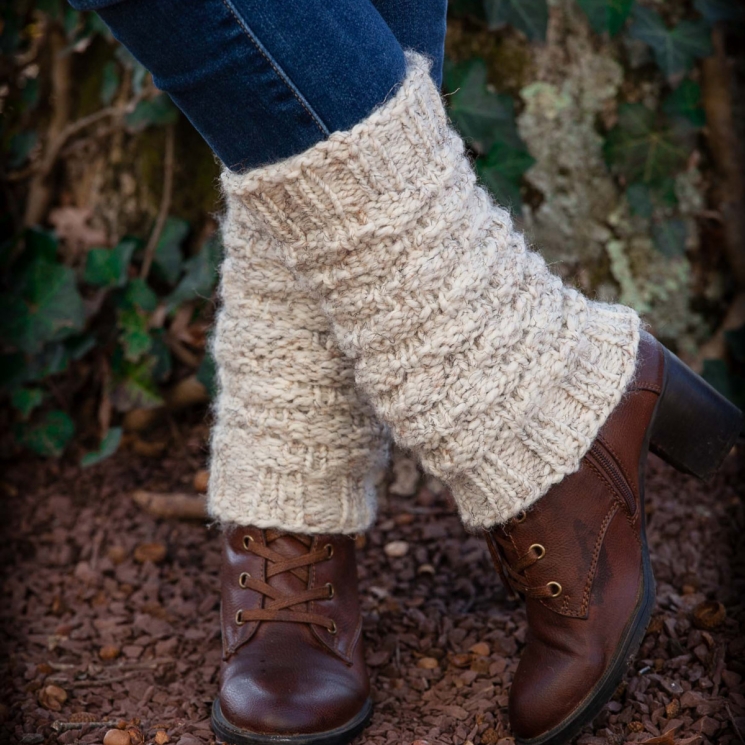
21	145
482	117
109	445
107	267
162	356
135	336
25	400
674	49
528	16
45	305
644	199
607	15
168	259
135	387
12	370
207	373
730	384
109	82
685	102
41	244
137	294
727	11
79	346
52	360
639	198
669	237
736	343
502	171
30	93
639	150
158	110
49	436
200	277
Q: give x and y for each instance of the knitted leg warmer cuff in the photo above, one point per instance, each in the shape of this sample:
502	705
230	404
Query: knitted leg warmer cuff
293	446
496	375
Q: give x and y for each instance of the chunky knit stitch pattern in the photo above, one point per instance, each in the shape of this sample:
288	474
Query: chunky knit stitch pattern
478	358
293	446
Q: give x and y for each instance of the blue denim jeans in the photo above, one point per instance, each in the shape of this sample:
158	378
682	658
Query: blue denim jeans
262	80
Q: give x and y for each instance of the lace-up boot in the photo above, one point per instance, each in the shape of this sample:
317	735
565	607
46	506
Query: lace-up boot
293	667
579	556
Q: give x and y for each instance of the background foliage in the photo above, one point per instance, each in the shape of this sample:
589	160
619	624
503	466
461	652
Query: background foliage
591	119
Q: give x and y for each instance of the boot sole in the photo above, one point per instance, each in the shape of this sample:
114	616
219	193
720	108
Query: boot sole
229	734
693	428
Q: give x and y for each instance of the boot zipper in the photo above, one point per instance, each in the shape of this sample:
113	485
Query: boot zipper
612	471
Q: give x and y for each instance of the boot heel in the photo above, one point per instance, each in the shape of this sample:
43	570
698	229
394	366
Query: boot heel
694	426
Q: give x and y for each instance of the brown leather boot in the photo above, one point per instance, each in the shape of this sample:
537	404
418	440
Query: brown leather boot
579	556
293	670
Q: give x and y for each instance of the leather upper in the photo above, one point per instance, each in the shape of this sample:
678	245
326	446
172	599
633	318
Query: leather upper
281	677
591	528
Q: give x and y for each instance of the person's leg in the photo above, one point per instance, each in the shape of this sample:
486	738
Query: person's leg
262	80
419	26
536	405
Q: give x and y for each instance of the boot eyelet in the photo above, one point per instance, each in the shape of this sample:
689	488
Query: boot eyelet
537	550
333	629
329	550
520	517
555	588
239	618
243	579
247	540
330	588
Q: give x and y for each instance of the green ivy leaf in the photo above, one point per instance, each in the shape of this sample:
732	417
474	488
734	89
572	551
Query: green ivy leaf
606	15
161	355
135	336
644	199
528	16
107	267
685	103
137	294
52	360
207	373
21	145
735	339
482	117
109	445
30	93
159	110
674	49
200	277
726	381
135	387
168	259
727	11
109	82
12	370
41	244
49	436
25	400
639	150
669	237
502	171
44	305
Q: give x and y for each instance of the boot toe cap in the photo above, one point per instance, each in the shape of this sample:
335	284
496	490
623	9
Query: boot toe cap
291	702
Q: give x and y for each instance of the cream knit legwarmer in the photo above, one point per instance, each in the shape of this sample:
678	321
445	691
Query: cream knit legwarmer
478	358
293	446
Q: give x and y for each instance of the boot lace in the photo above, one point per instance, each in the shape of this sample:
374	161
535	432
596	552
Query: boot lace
512	574
279	605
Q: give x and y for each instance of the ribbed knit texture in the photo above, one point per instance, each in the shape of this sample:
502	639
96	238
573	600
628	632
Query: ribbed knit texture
478	358
293	445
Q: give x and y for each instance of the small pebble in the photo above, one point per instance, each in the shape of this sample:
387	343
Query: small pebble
154	552
396	549
481	648
116	737
428	663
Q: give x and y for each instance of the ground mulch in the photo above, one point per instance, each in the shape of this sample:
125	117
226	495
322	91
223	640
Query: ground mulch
111	616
